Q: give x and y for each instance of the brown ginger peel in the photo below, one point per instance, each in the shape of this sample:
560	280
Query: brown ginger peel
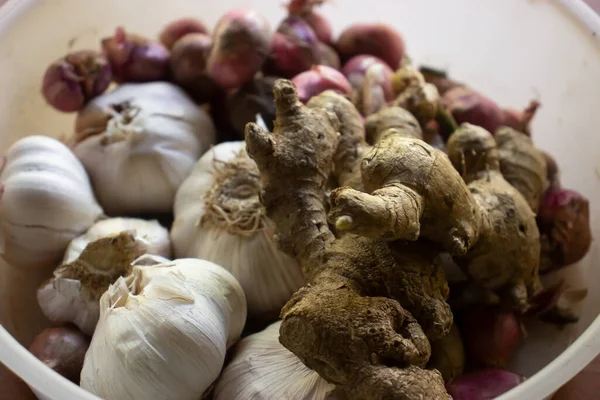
505	259
522	165
352	145
392	117
412	191
348	324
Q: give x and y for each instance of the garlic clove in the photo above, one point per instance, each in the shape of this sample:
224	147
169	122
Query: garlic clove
73	293
151	233
46	201
163	331
138	143
262	368
219	217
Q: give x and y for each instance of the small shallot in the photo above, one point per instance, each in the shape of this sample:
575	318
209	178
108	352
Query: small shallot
378	40
491	336
189	57
177	29
241	45
319	79
62	349
564	223
467	105
485	384
356	68
76	78
294	49
136	59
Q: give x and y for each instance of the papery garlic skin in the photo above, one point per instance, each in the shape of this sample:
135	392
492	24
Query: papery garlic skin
138	143
46	201
268	276
261	368
155	236
164	331
73	293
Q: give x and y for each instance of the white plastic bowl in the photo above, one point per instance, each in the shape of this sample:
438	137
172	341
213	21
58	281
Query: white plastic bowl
512	50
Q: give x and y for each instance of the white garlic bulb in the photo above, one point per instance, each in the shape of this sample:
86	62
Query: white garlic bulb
261	368
72	294
219	217
47	200
152	233
164	331
138	143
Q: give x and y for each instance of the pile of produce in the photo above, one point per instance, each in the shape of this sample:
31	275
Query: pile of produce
256	213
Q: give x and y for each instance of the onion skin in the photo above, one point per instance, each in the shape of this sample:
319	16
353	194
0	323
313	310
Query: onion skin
356	69
70	82
321	26
378	40
467	105
329	56
241	44
136	59
564	223
62	349
177	29
521	120
485	384
189	57
319	79
491	336
294	48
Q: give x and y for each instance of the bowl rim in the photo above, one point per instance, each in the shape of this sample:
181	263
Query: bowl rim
541	385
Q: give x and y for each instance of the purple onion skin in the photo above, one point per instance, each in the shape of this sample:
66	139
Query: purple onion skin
491	336
564	224
319	79
485	384
356	68
73	80
329	56
177	29
189	56
378	40
136	59
320	26
467	105
294	49
242	40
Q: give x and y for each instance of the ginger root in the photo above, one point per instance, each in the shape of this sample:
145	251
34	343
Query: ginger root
414	94
351	146
348	323
413	191
506	256
522	165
